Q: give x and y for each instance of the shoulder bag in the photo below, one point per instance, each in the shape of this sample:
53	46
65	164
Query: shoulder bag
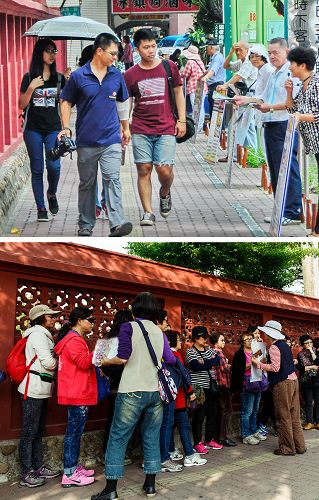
190	124
166	385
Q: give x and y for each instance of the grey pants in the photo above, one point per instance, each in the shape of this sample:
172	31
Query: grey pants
109	159
34	413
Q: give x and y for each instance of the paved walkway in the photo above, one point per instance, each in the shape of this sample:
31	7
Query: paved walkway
202	205
241	473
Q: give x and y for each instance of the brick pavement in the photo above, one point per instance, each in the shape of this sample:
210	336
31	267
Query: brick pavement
202	205
241	473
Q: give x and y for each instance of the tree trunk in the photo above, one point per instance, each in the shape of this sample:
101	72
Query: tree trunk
310	270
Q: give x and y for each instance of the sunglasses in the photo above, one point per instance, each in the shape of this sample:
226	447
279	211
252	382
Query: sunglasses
51	51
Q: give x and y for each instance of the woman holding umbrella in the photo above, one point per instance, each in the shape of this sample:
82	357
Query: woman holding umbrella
39	98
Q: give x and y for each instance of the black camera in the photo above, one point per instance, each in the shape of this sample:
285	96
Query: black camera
62	148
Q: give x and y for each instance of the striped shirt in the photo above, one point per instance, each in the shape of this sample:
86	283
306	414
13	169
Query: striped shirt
199	362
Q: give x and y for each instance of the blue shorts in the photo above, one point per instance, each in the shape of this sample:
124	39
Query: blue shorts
157	149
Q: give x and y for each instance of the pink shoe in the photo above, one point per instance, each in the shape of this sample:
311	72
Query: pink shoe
76	480
215	446
201	449
85	472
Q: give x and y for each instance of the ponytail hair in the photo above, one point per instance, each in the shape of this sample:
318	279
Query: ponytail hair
77	313
122	316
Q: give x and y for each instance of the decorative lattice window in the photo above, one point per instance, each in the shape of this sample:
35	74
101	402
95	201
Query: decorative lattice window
103	304
229	322
297	327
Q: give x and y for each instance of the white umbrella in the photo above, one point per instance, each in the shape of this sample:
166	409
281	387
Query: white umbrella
68	28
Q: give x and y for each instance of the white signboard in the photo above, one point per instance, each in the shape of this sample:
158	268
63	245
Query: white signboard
197	106
231	138
303	22
283	179
214	131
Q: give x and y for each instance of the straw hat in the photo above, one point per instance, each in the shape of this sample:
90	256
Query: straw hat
191	53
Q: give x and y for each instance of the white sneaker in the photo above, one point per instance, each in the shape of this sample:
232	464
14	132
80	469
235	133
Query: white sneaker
251	440
170	466
194	460
259	436
176	455
290	222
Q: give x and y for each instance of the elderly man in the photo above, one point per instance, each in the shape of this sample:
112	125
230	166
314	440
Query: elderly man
275	121
283	379
244	72
216	74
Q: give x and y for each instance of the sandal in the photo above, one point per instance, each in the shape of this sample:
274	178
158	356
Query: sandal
313	235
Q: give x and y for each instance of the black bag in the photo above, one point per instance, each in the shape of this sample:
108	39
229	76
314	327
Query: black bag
190	124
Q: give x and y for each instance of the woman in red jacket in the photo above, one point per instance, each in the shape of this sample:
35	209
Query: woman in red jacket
77	388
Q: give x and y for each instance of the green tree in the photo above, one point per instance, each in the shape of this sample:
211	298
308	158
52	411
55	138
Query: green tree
210	12
279	6
274	265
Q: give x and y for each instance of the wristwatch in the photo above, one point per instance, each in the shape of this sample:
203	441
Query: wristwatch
271	110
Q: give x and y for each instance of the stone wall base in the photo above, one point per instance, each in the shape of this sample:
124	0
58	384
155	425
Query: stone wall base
14	173
91	450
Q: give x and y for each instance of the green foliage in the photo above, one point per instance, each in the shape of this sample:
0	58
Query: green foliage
255	158
279	6
210	12
273	265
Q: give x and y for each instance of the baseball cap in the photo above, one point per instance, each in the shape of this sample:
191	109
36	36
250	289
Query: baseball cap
41	310
199	331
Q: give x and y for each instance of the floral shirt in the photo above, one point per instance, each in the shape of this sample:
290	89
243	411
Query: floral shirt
307	102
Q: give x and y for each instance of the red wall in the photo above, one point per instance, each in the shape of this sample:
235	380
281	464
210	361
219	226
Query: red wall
15	57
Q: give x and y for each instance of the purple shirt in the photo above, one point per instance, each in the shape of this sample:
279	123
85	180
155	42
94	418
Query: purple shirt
125	344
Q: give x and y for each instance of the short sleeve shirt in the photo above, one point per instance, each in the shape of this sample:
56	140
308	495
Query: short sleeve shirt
246	71
153	111
43	115
97	122
217	65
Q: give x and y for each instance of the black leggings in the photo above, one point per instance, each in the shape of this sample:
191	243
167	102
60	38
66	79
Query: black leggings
209	410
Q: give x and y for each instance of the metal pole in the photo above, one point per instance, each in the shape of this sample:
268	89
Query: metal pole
306	174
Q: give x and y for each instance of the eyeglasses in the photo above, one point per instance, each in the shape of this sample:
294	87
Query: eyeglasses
113	54
91	320
248	340
51	51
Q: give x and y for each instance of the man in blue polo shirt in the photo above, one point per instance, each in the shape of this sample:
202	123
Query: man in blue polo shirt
216	74
99	92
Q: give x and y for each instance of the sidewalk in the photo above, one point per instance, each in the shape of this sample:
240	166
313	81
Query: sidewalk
241	473
202	205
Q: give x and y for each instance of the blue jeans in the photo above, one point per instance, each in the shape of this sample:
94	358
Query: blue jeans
34	142
248	413
166	430
129	407
181	420
156	149
274	140
77	416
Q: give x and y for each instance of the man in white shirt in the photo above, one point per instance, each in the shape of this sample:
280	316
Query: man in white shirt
275	120
244	72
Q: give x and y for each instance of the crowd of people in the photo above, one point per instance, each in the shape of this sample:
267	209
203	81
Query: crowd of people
115	108
202	381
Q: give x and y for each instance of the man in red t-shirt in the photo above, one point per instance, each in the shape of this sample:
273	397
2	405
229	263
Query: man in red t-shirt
154	128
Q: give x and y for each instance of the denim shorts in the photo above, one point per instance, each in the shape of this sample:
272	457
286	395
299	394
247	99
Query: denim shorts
157	149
